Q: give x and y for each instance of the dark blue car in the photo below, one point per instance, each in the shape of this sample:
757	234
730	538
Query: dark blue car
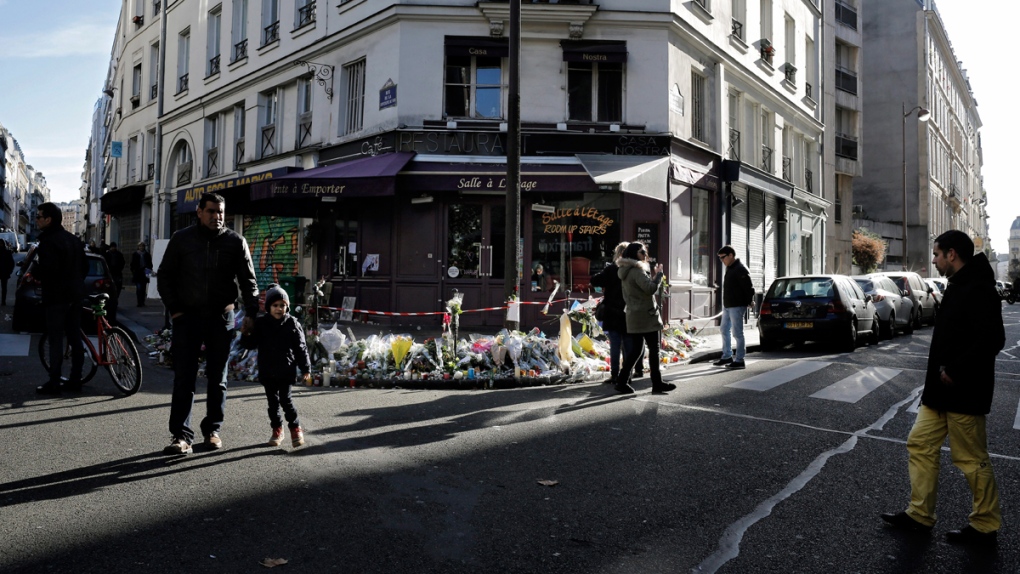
825	308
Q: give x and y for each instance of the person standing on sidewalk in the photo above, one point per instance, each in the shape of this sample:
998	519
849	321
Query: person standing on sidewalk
6	268
614	322
957	395
141	266
205	269
737	293
115	261
280	340
61	268
644	321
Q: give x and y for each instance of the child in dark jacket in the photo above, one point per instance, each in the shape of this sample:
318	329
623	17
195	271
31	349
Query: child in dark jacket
280	341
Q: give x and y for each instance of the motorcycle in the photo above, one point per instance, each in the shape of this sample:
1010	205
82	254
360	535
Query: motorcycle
1013	295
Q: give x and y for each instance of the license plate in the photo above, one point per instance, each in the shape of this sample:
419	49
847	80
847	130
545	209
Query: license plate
798	325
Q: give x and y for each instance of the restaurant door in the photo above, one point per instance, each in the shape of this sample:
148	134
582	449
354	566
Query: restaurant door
473	262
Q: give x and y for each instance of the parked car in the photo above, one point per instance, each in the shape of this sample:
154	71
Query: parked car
827	308
894	310
937	291
919	292
28	316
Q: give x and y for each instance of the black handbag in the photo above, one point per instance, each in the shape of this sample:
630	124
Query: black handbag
600	311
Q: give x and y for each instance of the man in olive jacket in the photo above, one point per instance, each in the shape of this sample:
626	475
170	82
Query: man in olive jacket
204	270
737	293
957	394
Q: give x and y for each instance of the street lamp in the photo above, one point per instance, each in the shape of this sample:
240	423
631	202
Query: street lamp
922	116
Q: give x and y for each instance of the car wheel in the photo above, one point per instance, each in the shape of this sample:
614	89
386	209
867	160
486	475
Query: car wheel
916	320
890	326
849	343
876	326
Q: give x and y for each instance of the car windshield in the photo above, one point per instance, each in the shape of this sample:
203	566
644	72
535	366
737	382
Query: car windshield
802	287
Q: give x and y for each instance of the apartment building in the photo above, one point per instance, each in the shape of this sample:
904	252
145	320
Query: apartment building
365	141
926	176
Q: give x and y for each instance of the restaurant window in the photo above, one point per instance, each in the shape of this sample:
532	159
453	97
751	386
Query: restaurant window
573	239
474	82
701	244
594	80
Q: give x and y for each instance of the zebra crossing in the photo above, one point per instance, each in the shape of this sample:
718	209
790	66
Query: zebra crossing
850	389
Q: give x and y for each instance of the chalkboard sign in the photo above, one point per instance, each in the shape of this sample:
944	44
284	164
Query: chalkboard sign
648	233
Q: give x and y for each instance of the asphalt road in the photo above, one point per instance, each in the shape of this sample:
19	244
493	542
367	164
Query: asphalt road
734	472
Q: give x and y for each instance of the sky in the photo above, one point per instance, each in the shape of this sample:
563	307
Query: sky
55	55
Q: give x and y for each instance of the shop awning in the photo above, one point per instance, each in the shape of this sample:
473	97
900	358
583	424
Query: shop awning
123	199
234	190
373	176
478	175
630	174
737	171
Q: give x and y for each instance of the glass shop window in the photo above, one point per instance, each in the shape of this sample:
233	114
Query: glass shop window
573	240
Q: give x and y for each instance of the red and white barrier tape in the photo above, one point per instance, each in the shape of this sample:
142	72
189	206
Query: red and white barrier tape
427	313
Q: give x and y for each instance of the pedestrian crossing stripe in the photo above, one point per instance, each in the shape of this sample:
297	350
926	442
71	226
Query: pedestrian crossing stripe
14	345
772	379
848	390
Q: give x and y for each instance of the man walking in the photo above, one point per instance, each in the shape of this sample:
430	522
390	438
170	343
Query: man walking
738	293
61	270
204	270
141	265
957	394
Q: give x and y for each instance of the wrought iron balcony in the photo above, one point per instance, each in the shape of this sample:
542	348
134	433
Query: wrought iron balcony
734	150
214	65
787	168
271	33
737	29
150	171
306	14
154	92
809	184
790	73
212	162
305	130
182	84
238	152
767	50
156	5
240	50
766	158
184	173
268	147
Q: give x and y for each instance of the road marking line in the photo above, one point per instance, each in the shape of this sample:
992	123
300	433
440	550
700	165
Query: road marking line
856	386
772	379
1016	421
915	406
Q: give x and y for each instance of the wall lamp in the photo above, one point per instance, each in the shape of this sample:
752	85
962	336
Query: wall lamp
542	208
922	116
735	201
422	199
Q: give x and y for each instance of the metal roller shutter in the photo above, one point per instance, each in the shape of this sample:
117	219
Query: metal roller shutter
756	247
738	224
771	240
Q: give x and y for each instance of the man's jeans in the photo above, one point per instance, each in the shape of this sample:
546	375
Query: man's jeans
733	320
190	330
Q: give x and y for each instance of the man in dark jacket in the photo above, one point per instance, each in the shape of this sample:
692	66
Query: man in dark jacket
61	270
6	268
737	293
957	394
115	261
141	266
204	270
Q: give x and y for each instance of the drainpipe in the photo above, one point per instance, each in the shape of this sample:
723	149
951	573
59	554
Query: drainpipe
157	219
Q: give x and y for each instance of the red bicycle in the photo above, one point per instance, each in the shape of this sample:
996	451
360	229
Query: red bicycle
115	351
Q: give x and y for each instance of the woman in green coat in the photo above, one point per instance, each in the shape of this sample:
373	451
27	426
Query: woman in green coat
644	322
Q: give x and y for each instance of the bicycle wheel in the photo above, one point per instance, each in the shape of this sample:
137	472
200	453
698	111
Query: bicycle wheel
125	367
89	366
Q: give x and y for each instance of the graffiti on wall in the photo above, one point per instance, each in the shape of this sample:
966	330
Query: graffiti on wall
274	247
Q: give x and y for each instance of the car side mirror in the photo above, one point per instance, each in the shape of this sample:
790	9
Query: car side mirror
904	293
868	298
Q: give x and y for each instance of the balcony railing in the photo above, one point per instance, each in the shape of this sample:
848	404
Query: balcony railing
809	178
767	50
156	5
184	173
268	141
271	33
212	162
240	50
182	84
846	15
808	89
150	171
214	65
734	149
238	152
790	73
846	146
304	130
306	14
787	168
737	29
953	191
766	158
846	80
154	91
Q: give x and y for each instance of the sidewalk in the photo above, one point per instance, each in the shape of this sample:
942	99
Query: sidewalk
144	321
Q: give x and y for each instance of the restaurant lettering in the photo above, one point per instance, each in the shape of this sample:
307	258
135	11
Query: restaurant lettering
594	57
641	145
487	183
556	222
478	143
195	193
308	189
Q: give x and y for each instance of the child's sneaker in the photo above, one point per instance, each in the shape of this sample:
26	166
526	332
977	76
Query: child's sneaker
297	436
277	438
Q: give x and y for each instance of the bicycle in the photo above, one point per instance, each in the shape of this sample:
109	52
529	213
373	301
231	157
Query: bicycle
116	352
